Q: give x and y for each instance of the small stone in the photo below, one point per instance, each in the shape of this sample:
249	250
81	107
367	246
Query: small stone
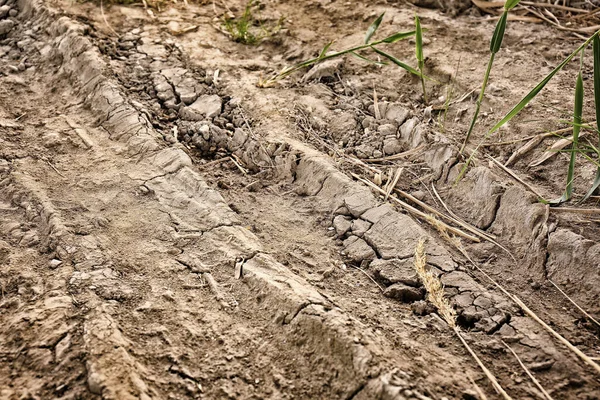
483	302
206	106
95	382
422	308
392	145
341	225
6	26
13	13
404	293
396	113
4	10
396	271
387	129
54	263
358	250
360	226
464	300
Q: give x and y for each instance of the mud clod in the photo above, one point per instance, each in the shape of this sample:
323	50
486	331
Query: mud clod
404	293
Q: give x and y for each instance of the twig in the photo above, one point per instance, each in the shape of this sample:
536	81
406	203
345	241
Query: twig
449	218
480	393
396	156
533	315
214	288
416	211
391	185
54	168
368	276
533	378
214	162
242	169
516	177
480	233
576	210
575	304
105	20
486	371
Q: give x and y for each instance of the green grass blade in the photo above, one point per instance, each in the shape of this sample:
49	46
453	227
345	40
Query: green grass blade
526	100
595	185
324	51
355	54
596	49
398	62
373	28
531	95
419	53
419	42
576	129
396	37
510	4
496	41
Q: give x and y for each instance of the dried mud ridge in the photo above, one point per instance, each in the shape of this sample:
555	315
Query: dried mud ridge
118	259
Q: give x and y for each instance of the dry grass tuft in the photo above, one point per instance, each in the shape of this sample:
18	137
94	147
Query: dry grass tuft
435	294
433	285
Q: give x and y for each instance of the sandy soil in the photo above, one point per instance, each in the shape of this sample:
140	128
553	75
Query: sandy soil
170	230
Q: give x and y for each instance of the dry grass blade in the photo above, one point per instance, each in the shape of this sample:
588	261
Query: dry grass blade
398	156
435	295
575	304
486	371
480	393
516	177
576	210
392	183
555	149
537	319
452	218
533	378
415	211
556	6
470	228
557	335
526	148
368	276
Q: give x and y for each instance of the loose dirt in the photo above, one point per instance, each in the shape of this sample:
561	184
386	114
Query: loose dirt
169	230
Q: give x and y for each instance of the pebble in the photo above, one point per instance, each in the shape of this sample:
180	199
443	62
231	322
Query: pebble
54	263
6	26
404	293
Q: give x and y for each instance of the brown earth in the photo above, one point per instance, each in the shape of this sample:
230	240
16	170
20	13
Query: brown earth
170	230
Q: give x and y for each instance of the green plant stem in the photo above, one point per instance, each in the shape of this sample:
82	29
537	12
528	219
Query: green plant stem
524	101
423	85
322	58
479	100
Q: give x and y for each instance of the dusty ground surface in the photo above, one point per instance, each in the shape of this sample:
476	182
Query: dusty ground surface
169	230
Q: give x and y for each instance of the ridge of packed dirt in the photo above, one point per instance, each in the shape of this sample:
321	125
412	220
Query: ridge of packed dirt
155	182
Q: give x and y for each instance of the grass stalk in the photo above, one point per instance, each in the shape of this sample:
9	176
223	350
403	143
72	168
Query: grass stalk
577	113
419	53
368	44
436	296
524	102
596	50
495	45
533	378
